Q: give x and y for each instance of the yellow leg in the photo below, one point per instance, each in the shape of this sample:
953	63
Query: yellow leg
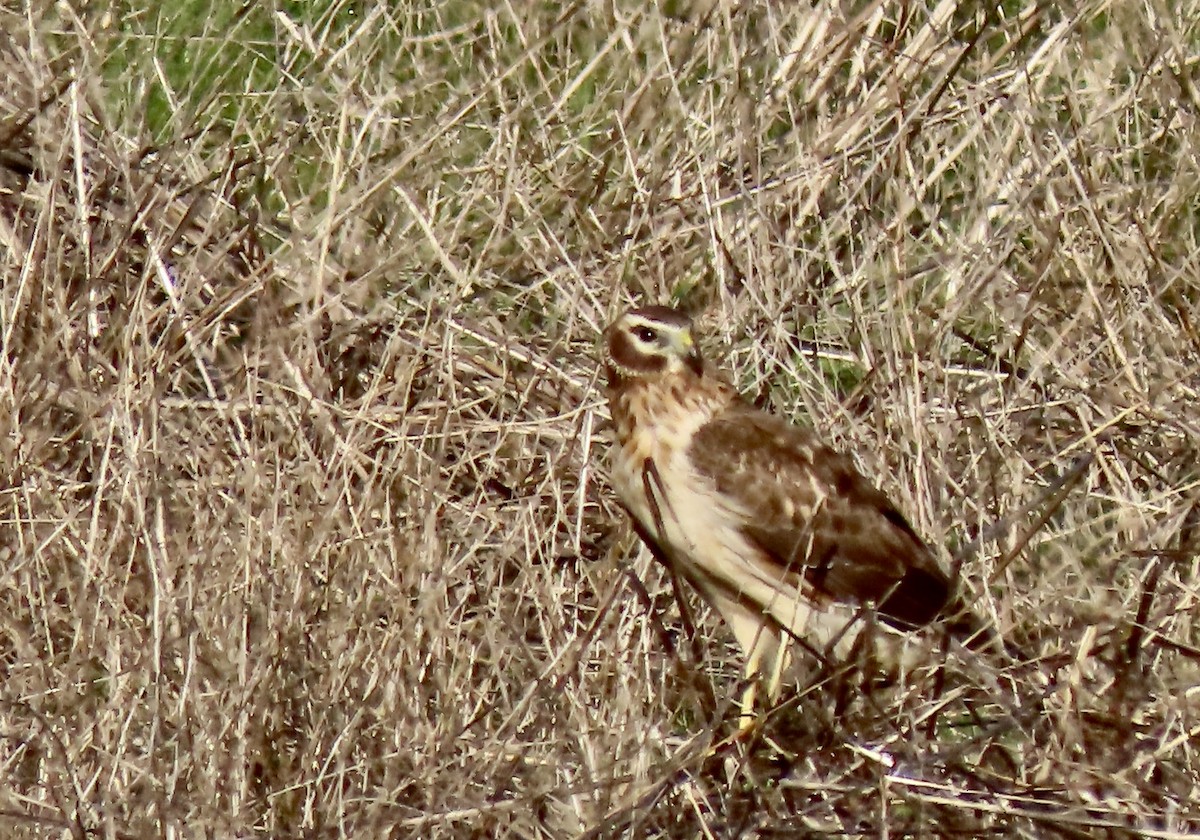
747	718
766	657
774	653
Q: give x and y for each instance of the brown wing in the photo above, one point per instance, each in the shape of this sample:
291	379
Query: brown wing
852	545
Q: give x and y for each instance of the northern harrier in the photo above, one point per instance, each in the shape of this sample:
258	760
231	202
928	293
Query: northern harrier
780	533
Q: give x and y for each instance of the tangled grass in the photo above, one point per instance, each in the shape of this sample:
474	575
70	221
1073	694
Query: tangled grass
305	523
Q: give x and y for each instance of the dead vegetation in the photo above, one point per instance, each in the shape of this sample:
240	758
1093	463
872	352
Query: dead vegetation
305	528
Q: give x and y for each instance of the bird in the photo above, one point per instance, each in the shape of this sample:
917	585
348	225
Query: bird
778	532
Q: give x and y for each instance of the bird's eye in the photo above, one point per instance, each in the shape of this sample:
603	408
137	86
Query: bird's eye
645	335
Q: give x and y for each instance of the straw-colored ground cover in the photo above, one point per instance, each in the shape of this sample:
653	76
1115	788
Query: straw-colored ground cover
305	529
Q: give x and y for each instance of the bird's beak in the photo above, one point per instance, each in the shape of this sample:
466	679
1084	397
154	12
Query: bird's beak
686	347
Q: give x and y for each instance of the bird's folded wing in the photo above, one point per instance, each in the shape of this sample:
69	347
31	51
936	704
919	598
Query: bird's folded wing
816	518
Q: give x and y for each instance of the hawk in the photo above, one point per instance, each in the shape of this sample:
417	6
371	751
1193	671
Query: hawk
778	532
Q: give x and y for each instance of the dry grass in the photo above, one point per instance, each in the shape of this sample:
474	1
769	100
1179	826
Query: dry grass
305	525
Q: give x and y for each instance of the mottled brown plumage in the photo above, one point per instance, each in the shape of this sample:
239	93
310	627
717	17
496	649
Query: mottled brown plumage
776	530
853	546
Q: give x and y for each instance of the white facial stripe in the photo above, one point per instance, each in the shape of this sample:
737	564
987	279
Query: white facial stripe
635	323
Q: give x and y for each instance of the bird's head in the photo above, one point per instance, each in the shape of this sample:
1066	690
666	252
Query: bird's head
650	342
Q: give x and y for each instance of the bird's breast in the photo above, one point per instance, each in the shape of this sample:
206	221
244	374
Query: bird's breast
655	478
653	428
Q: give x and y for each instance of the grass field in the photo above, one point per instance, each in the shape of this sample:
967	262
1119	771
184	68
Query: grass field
306	529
